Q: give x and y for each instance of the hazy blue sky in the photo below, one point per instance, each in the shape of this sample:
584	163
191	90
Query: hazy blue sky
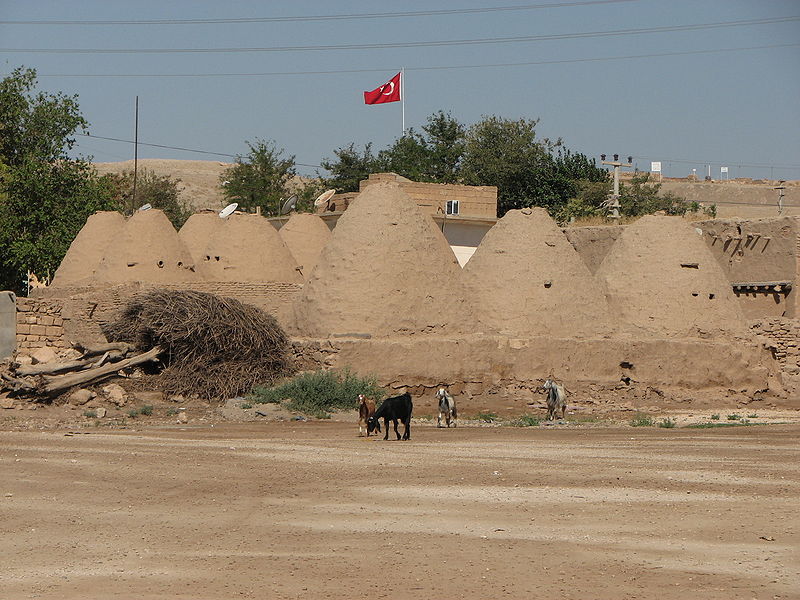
696	105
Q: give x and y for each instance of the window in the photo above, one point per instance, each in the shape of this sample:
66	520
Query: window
452	207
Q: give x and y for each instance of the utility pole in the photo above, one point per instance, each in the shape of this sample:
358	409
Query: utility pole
780	187
135	151
613	201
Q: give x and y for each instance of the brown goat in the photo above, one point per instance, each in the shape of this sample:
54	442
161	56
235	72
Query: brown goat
366	409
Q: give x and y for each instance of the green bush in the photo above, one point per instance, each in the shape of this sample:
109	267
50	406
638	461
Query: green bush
487	417
319	392
642	420
667	423
92	414
527	421
146	410
715	417
734	417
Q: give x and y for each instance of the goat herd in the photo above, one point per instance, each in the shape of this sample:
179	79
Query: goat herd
398	408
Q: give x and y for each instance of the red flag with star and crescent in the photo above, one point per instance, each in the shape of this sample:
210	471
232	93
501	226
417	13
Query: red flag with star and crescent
388	92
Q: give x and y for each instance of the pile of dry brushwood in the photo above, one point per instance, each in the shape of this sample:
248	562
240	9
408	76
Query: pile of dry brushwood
46	380
211	347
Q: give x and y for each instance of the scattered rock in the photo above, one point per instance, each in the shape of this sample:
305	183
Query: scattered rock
43	355
81	397
182	418
767	538
23	360
101	412
6	402
115	394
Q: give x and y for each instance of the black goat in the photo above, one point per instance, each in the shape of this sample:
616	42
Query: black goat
393	409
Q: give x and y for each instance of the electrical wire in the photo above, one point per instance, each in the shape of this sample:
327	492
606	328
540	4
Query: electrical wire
427	44
435	68
355	16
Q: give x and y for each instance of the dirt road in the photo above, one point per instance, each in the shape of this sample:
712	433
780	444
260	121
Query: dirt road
289	510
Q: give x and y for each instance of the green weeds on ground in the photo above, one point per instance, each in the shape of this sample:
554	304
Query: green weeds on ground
642	420
487	417
320	392
526	421
667	423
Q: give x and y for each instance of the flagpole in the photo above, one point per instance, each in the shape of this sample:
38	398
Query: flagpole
403	96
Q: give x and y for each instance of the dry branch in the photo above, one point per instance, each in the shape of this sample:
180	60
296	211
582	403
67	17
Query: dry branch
59	383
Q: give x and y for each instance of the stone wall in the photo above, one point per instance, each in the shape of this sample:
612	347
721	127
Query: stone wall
784	338
39	323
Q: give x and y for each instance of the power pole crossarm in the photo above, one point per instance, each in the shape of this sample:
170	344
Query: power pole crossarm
613	201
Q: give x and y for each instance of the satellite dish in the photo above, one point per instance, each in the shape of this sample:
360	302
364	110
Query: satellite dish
289	205
228	210
147	206
324	197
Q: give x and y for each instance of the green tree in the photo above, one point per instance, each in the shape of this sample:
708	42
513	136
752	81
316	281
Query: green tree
350	167
259	179
45	196
160	191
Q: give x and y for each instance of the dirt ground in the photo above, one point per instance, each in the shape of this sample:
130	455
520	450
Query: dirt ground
308	509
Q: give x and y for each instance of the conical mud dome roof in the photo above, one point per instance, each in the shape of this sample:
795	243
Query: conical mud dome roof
88	248
305	235
147	249
387	270
525	279
197	232
248	248
661	278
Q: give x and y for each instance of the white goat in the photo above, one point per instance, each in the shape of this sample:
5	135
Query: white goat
447	408
556	399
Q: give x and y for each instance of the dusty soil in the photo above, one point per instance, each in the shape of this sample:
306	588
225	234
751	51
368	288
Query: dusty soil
308	509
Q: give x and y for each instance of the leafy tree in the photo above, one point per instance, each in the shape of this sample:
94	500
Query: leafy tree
350	167
160	191
35	124
259	179
446	144
45	205
45	197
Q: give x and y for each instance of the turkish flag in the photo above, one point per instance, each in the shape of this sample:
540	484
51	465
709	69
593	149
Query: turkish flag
388	92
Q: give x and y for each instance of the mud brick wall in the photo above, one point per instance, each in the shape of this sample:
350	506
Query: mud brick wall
85	310
784	336
39	323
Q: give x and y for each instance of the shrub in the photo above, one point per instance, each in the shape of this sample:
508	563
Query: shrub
667	423
92	414
133	413
734	417
715	417
487	417
319	392
642	420
527	421
146	410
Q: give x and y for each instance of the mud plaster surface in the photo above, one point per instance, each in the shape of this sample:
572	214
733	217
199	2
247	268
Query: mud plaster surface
147	249
88	248
661	279
247	248
387	269
305	235
526	279
197	232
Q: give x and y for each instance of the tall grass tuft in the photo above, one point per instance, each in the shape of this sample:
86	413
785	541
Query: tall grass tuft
318	393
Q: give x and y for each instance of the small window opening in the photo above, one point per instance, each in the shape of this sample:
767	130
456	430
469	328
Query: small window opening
452	207
160	264
711	296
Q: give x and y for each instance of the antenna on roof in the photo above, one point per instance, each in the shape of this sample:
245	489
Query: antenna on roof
228	210
324	198
288	206
147	206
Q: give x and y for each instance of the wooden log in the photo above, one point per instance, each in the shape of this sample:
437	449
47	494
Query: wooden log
16	385
70	365
54	384
120	347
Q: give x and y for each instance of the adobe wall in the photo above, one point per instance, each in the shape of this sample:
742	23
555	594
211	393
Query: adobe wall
85	310
738	200
757	250
8	323
512	370
593	243
432	198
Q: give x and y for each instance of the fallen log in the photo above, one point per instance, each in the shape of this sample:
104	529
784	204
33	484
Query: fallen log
58	383
120	347
16	385
70	365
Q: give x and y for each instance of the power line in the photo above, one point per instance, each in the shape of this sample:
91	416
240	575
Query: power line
354	16
731	163
427	44
436	68
112	139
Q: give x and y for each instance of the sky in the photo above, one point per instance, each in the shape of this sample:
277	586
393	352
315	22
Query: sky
686	88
